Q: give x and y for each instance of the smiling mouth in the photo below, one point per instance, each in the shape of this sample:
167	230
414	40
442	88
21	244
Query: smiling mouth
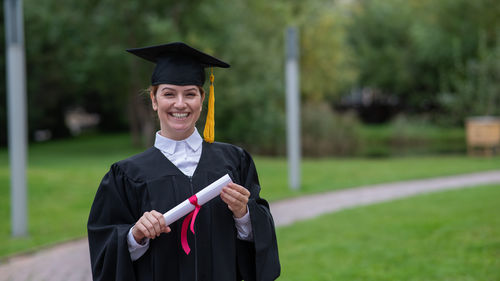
179	115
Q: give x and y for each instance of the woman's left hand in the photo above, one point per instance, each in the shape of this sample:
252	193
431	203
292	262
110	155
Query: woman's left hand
236	198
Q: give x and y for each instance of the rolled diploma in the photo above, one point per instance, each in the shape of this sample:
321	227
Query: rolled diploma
204	195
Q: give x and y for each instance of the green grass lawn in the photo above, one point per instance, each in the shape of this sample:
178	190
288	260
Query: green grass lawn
453	235
328	174
63	177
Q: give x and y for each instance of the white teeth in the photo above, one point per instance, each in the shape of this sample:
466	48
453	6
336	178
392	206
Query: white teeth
180	115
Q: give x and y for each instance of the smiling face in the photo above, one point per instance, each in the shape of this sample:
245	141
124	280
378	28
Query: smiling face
178	108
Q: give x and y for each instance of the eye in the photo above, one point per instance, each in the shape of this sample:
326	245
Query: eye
168	94
191	94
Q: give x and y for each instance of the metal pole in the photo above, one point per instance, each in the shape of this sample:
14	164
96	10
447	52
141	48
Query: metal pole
16	107
293	107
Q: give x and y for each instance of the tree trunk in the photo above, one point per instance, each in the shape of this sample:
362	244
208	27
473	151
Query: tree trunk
140	113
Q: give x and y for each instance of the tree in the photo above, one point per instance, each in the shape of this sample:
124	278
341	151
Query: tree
437	57
76	58
327	69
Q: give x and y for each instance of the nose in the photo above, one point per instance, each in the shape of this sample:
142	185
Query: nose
180	102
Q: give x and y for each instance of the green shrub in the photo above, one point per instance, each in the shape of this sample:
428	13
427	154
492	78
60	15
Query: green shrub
410	136
326	133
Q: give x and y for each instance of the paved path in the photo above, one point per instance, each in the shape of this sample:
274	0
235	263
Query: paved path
314	205
70	261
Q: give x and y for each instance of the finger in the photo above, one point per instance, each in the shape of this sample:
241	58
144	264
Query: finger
239	188
237	202
224	198
152	225
228	198
227	191
154	222
231	205
236	195
142	229
161	220
234	205
149	227
239	209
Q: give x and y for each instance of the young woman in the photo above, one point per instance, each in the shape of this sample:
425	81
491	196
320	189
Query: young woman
235	237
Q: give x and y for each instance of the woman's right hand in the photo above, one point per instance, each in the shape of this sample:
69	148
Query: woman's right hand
150	225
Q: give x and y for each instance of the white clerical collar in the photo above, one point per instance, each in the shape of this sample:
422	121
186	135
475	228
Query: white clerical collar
167	145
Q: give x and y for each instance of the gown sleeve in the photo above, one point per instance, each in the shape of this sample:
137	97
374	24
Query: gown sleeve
257	260
115	210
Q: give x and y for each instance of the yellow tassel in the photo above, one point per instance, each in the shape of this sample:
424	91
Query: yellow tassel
209	132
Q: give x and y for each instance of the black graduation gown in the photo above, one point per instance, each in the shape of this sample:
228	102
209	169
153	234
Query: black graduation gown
149	181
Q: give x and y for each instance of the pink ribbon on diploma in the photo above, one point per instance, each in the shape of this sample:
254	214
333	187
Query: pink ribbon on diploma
193	200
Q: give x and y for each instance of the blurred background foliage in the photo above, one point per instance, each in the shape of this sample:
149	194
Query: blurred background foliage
378	77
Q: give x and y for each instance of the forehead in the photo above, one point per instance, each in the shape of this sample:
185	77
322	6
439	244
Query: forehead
177	88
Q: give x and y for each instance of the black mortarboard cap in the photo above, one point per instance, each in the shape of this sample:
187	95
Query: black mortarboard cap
177	63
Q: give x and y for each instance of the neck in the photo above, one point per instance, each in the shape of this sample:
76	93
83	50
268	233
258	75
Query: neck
175	136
